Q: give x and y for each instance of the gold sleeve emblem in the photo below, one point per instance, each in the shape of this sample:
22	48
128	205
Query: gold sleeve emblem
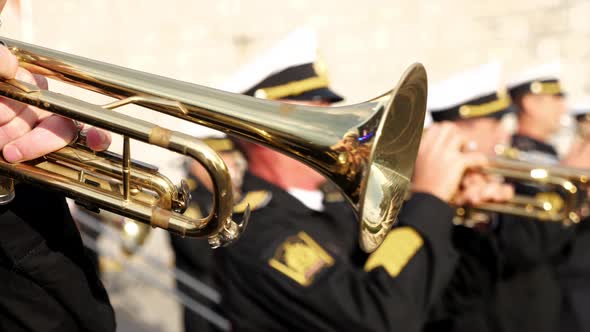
256	199
396	251
300	258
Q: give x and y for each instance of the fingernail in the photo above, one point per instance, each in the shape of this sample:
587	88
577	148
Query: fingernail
12	154
101	135
101	140
104	140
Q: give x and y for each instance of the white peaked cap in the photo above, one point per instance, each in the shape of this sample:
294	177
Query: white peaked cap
465	86
542	72
580	106
298	48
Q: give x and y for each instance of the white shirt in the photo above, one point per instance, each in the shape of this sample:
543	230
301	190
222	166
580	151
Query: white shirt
313	199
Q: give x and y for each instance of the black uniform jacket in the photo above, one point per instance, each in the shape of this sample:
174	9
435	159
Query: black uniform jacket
574	276
506	278
47	283
564	252
299	270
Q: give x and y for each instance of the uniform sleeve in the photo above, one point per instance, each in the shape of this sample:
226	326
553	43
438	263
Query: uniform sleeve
46	280
526	242
323	292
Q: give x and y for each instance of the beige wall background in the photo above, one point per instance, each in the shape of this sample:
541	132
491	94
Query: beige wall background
366	44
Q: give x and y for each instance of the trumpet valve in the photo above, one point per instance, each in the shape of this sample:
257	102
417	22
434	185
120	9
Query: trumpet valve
184	197
231	231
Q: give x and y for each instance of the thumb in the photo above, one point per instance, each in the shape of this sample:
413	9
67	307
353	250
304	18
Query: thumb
98	139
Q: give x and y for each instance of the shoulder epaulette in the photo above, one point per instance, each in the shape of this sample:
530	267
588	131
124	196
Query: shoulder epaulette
396	251
256	199
331	193
219	144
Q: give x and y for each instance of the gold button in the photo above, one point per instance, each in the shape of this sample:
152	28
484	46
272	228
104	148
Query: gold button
464	111
260	93
536	87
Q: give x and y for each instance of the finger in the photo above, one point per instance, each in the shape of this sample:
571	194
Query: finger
500	193
19	126
472	195
98	139
455	143
492	177
472	160
585	149
473	179
41	81
38	80
8	63
450	139
9	109
458	199
469	146
50	135
24	75
429	136
507	193
491	191
497	192
473	192
447	132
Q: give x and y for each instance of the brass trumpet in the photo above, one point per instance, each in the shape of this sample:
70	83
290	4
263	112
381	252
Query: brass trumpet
560	194
368	150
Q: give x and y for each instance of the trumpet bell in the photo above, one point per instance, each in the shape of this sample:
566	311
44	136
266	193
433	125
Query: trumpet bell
391	163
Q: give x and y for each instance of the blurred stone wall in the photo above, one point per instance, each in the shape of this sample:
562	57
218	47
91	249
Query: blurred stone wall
366	44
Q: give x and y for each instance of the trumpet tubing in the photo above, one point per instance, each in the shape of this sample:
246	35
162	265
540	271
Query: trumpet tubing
368	150
561	193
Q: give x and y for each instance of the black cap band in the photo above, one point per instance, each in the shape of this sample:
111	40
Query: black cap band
300	82
537	87
493	105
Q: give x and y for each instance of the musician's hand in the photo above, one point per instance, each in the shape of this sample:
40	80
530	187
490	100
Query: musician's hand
477	188
579	155
442	162
28	132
